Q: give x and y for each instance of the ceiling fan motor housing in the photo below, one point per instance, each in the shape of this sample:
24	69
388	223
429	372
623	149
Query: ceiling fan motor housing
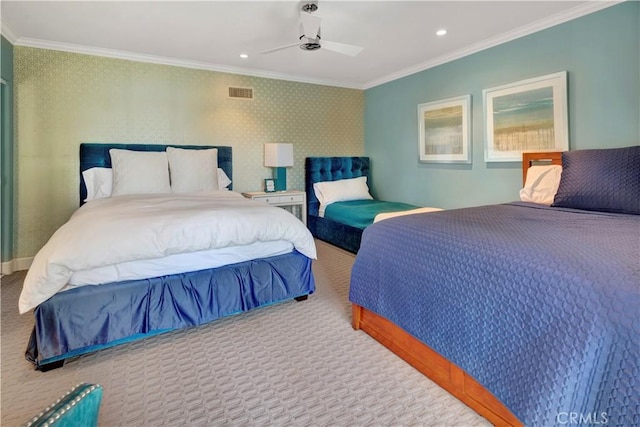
310	44
309	6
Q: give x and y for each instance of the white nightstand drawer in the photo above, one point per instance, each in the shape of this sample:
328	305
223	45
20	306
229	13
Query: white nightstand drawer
292	198
268	199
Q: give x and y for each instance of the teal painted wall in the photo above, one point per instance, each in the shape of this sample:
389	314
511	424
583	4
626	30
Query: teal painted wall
601	53
6	151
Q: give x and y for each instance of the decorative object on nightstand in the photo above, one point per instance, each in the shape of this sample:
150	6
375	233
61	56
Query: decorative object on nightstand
294	201
279	156
269	185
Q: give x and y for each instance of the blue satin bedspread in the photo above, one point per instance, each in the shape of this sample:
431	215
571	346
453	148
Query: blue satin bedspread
361	213
90	318
540	305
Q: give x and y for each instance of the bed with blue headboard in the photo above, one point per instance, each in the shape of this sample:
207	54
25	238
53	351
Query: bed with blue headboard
96	155
87	318
342	223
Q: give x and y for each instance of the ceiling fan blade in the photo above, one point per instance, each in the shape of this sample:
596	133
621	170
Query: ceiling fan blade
275	49
310	25
345	49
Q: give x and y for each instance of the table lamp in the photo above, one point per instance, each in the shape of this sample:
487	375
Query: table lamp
279	156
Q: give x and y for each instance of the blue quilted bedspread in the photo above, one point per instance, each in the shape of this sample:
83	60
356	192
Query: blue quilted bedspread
540	305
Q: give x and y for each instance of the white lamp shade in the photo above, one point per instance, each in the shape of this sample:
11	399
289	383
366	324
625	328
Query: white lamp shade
278	155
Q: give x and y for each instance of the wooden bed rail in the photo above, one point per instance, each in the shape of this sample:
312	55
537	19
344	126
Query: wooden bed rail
437	368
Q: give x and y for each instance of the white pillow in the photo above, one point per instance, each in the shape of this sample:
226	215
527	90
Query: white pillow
223	180
99	183
193	170
342	190
541	184
139	172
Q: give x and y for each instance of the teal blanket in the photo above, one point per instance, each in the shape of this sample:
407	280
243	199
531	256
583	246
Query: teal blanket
360	213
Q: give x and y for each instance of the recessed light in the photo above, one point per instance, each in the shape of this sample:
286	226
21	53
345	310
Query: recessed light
441	32
244	56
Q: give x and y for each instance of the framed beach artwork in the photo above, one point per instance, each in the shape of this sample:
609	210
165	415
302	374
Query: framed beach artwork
529	115
445	130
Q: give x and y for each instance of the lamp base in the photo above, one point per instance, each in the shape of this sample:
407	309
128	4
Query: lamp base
280	175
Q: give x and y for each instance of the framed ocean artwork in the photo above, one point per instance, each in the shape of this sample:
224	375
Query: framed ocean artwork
528	115
445	130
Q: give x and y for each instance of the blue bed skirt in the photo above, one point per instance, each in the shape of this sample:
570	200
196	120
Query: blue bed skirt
91	318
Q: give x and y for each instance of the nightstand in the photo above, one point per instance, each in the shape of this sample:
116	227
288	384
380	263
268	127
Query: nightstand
294	201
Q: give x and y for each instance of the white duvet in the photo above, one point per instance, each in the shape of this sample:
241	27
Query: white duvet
137	227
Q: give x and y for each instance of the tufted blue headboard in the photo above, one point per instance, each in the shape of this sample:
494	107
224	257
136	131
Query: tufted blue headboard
97	156
319	169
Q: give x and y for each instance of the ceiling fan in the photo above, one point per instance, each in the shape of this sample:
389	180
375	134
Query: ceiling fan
310	34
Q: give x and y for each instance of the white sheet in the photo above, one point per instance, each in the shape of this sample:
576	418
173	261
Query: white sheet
178	263
387	215
136	227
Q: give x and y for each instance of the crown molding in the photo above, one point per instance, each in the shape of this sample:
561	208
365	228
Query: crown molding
139	57
559	18
573	13
7	33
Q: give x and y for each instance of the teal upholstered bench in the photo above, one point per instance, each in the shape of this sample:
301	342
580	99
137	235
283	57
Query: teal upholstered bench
80	407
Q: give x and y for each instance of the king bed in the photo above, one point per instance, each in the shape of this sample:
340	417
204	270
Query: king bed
527	313
159	256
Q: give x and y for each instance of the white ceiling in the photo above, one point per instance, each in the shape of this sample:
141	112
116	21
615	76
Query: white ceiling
398	37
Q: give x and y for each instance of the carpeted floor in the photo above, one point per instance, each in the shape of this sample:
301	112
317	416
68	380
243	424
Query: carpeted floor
291	364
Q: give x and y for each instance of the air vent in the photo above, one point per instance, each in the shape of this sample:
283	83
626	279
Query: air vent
240	92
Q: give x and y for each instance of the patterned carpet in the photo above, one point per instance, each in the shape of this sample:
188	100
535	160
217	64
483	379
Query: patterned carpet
291	364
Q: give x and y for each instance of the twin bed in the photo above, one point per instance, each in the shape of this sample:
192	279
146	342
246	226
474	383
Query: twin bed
128	267
527	313
343	222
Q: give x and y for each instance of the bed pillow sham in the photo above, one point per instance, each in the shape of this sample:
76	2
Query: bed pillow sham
606	180
542	184
223	180
341	190
193	170
139	172
99	182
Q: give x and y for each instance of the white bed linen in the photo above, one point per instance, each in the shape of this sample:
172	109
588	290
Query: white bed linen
387	215
178	263
136	227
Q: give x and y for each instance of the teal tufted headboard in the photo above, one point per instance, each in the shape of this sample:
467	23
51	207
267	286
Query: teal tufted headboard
318	169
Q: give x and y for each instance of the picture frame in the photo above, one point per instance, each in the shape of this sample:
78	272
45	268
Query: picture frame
269	185
528	115
444	128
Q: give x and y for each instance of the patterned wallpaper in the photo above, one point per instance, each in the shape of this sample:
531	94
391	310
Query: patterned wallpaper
63	99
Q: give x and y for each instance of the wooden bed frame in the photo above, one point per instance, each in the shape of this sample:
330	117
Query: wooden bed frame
436	367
